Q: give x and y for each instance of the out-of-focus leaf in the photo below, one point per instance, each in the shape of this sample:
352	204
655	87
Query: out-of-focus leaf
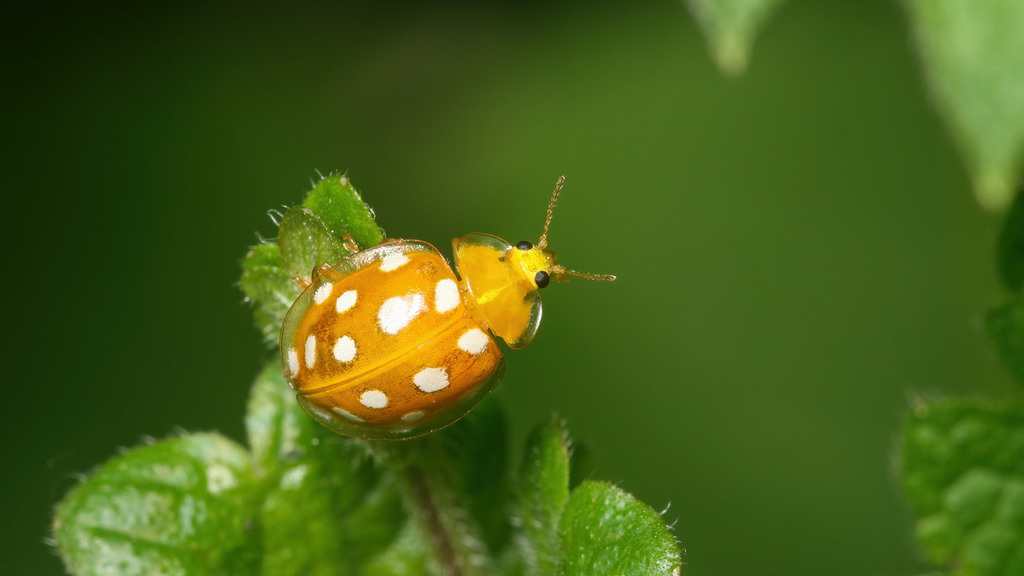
329	507
730	27
973	56
269	288
963	472
1005	326
607	532
1011	246
182	506
543	494
408	555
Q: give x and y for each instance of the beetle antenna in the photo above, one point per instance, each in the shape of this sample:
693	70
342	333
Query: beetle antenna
608	277
560	271
543	242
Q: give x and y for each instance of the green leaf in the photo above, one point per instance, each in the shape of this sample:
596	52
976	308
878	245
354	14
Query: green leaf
606	531
973	56
329	507
306	242
269	288
180	506
730	27
309	235
1011	246
1005	326
543	494
277	428
963	472
343	211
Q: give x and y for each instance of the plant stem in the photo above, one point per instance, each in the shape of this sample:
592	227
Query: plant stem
436	529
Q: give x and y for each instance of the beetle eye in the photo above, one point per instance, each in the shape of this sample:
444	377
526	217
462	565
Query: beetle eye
542	278
524	245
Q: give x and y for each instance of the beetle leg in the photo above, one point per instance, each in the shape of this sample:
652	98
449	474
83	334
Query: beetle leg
323	270
318	271
349	243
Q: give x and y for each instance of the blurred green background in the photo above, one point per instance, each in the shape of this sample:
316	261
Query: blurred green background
798	249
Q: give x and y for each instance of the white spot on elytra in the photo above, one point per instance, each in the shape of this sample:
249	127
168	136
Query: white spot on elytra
293	362
413	416
396	313
393	262
345	301
473	341
347	414
345	349
373	399
446	295
323	292
431	379
310	351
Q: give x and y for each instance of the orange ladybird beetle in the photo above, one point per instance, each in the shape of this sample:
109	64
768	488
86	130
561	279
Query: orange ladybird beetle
388	344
